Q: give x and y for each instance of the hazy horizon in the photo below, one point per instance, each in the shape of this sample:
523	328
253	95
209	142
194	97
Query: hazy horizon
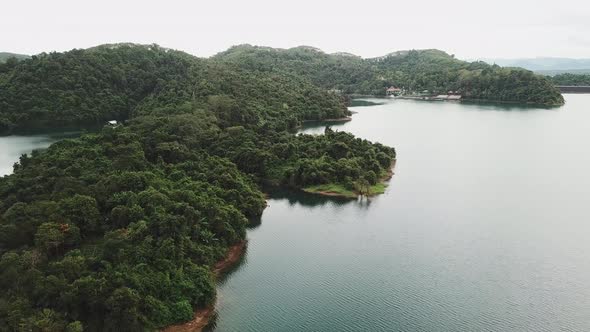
486	59
502	29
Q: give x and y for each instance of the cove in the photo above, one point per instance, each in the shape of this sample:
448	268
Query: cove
13	146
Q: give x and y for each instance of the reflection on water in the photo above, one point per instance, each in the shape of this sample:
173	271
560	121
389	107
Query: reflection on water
318	127
363	102
296	198
305	199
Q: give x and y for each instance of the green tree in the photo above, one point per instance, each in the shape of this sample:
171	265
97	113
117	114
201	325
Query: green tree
82	211
50	237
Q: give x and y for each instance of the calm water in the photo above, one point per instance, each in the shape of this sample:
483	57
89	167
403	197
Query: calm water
485	227
12	147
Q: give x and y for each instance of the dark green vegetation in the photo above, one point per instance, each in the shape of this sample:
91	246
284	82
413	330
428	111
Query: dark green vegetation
416	70
571	79
7	56
118	230
109	232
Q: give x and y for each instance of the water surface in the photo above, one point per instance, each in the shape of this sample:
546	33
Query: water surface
12	147
484	227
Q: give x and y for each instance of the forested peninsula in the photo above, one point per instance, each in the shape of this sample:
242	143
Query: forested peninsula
120	230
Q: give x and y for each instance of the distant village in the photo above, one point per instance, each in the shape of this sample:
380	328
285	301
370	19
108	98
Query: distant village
401	93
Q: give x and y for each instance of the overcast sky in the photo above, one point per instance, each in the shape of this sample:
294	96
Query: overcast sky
469	29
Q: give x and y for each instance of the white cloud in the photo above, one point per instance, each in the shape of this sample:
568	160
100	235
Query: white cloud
469	29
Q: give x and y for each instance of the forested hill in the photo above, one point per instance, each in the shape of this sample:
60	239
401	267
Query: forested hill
415	70
86	87
119	230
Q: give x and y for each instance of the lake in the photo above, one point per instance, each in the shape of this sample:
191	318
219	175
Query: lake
484	227
12	147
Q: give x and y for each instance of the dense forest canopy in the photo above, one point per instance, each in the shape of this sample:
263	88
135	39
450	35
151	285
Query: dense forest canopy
89	87
119	230
415	70
105	233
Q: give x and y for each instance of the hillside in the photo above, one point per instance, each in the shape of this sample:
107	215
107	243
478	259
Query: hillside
415	70
89	87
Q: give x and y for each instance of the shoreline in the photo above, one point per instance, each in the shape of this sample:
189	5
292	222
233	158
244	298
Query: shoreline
469	100
475	101
234	254
202	316
509	102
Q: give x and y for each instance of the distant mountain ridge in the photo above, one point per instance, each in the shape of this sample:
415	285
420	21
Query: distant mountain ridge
7	55
546	65
554	72
429	71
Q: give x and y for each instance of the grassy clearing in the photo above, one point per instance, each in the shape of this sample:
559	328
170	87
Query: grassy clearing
335	189
377	189
331	189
